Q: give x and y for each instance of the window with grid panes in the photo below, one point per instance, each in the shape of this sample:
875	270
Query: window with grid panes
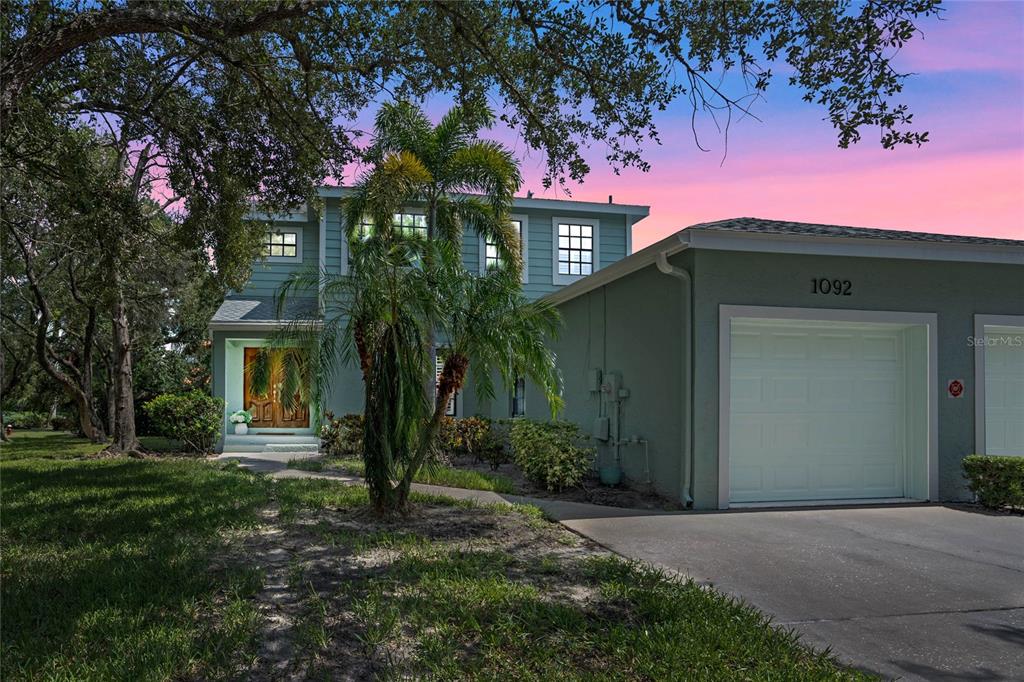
281	244
491	259
575	249
411	224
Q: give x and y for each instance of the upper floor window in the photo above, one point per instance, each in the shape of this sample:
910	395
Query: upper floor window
283	246
411	224
576	249
489	257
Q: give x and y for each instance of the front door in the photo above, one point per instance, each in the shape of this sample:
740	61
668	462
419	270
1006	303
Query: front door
267	410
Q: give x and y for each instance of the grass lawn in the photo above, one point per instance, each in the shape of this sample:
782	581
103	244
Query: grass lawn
436	475
61	445
156	569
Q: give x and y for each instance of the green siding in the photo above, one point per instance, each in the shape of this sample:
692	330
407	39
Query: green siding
346	395
539	240
268	276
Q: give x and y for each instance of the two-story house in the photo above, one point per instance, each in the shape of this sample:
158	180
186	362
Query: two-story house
563	242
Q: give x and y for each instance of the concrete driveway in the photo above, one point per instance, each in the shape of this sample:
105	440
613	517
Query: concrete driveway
911	592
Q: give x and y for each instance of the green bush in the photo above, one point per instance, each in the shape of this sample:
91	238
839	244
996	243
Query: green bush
550	452
997	481
342	435
27	420
192	418
63	422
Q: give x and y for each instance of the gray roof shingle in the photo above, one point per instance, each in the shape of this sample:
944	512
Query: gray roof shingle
786	227
263	309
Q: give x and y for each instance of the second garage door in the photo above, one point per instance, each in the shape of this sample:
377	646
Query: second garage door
818	411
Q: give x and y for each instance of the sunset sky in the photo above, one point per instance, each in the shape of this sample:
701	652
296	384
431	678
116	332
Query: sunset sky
968	93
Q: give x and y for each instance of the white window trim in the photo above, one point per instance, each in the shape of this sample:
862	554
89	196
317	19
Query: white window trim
524	233
560	279
980	322
297	258
726	313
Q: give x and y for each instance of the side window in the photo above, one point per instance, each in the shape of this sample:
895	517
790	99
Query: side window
575	252
518	398
283	246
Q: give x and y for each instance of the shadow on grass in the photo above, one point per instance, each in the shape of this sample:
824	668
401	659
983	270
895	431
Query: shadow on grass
107	568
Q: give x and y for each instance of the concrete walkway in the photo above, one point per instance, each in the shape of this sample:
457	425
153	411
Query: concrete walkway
910	592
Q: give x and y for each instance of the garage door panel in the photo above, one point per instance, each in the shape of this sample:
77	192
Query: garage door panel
836	346
881	390
834	390
816	412
789	346
877	347
789	389
748	389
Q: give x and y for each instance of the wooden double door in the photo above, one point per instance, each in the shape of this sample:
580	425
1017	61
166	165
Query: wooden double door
268	411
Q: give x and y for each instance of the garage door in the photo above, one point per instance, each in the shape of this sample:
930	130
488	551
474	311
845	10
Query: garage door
817	411
1004	391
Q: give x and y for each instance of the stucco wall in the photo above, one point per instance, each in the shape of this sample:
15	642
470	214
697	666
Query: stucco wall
632	326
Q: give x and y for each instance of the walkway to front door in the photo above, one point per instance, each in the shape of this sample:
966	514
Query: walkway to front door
268	411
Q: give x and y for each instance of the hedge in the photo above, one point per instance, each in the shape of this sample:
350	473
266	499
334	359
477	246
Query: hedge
997	481
192	418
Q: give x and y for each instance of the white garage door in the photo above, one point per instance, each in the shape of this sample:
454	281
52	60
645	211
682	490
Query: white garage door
1004	391
817	411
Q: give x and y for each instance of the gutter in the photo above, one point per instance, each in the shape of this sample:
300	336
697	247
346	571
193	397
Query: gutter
686	298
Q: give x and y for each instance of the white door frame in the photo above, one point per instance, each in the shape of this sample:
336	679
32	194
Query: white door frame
726	313
980	322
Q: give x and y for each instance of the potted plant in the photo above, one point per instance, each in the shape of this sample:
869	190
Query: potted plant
241	420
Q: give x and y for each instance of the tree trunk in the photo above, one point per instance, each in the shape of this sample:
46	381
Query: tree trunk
111	400
452	377
125	439
3	382
431	387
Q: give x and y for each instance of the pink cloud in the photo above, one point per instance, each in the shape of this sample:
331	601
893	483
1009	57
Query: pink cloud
979	194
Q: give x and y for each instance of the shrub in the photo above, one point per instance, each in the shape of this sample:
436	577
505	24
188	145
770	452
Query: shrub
192	418
997	481
550	452
27	420
62	422
342	435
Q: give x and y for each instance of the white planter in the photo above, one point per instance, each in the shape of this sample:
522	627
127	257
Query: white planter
241	429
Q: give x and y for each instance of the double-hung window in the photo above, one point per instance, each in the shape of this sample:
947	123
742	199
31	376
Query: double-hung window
576	253
283	246
489	257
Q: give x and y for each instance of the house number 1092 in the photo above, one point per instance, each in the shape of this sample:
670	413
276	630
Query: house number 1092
836	287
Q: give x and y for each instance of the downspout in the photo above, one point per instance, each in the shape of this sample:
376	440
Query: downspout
686	297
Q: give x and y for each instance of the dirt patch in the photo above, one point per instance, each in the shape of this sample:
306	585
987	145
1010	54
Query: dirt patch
631	496
323	570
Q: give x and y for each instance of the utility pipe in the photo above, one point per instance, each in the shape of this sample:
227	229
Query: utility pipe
686	482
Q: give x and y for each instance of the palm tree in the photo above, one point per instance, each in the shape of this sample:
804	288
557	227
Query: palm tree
461	180
403	290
